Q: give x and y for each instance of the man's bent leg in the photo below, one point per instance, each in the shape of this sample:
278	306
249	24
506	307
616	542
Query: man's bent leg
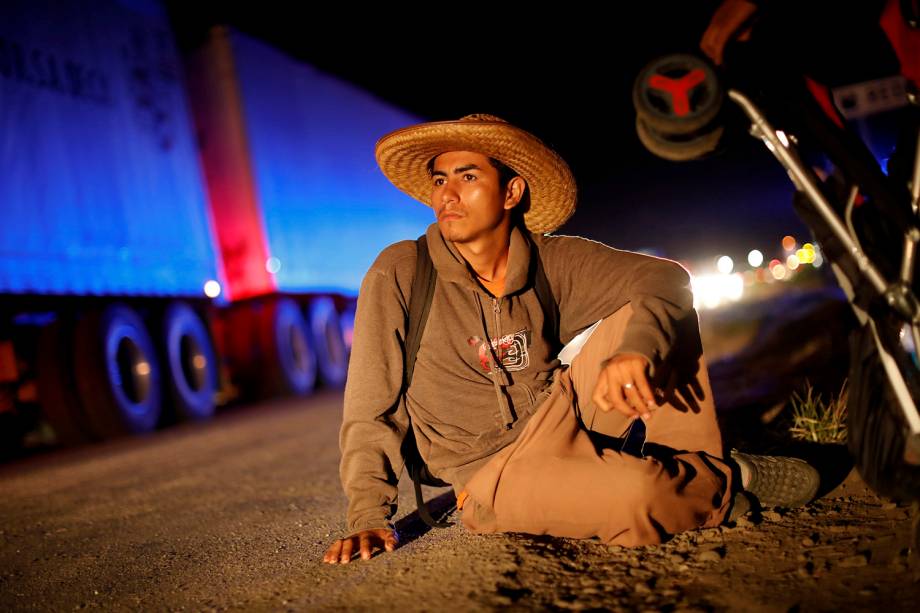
683	430
552	480
688	419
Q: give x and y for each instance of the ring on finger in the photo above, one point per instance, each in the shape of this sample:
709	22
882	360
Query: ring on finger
627	386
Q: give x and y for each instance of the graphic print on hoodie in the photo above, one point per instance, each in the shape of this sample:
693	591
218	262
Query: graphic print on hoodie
511	350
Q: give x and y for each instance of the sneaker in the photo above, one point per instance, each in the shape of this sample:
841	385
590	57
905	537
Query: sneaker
779	482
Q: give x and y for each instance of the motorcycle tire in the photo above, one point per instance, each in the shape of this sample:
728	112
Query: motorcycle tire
876	427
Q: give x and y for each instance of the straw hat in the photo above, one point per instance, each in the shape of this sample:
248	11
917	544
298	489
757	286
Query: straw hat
403	156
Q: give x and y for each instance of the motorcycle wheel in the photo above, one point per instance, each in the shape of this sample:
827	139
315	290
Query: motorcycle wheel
877	429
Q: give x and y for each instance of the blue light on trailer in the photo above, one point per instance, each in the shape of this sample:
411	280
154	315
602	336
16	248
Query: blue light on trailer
328	209
101	191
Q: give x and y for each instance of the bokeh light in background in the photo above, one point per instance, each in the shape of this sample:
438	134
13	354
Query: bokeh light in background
711	291
720	282
806	254
212	289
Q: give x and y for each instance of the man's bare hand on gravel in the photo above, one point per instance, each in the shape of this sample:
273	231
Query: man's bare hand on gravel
364	543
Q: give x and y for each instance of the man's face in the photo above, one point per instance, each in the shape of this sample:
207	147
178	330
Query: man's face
466	197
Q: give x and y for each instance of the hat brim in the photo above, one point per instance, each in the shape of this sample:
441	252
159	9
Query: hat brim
403	156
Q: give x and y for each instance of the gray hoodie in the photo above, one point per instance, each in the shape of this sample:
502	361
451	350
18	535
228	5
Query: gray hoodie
464	406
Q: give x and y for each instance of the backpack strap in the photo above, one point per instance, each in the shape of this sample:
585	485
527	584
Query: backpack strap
419	306
547	301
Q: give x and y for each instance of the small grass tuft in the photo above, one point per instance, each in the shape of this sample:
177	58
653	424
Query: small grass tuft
817	420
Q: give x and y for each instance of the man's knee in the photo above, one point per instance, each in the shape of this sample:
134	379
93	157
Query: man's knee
602	339
612	328
641	481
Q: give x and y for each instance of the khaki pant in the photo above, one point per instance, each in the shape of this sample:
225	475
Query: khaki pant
553	480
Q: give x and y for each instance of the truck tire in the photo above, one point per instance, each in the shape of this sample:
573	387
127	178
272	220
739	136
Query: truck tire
57	392
117	372
191	363
288	360
328	343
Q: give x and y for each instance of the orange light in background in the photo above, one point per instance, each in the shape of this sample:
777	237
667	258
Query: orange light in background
788	243
761	275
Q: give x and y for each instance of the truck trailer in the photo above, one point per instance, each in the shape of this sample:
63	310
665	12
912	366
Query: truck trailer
177	229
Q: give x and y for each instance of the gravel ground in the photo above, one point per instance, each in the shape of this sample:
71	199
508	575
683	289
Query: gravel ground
236	514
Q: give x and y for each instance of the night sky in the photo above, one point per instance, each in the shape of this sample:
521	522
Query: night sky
566	76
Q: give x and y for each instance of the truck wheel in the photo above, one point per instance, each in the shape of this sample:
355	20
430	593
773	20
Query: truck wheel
117	372
289	362
191	364
326	334
57	392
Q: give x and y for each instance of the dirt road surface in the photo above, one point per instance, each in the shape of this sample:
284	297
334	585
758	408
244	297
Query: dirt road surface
236	514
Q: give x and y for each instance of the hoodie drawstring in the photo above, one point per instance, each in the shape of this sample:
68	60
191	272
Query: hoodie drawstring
499	377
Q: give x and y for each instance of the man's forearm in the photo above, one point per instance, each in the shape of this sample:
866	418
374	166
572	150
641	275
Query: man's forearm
370	469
